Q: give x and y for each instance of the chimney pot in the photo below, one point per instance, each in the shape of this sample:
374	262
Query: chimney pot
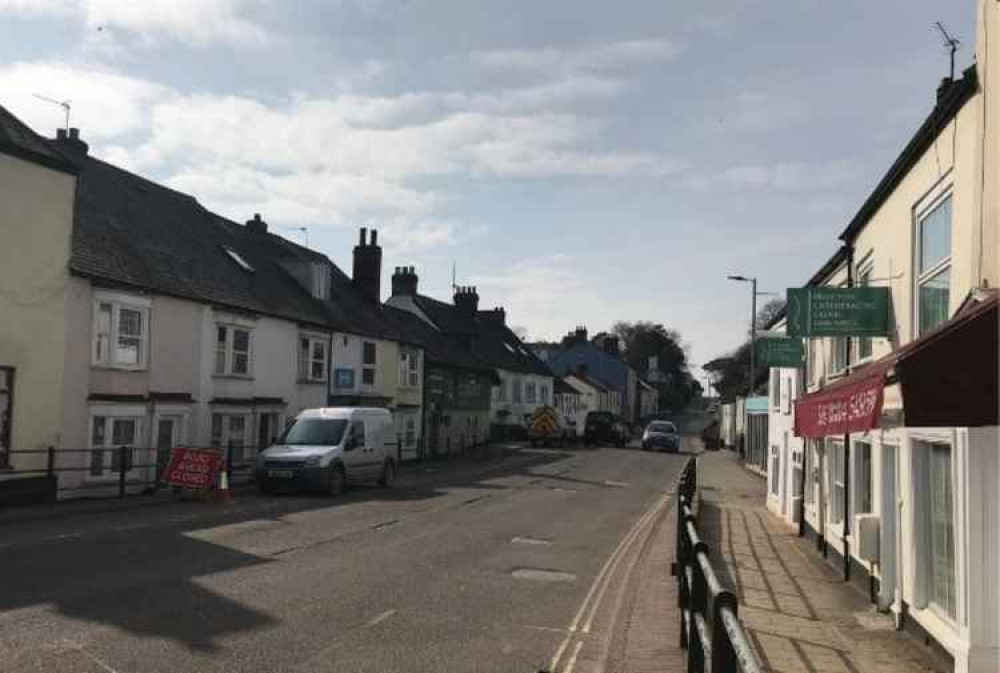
364	233
257	225
74	134
367	274
404	281
374	239
60	134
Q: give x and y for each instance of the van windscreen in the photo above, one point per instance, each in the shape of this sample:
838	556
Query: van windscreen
315	432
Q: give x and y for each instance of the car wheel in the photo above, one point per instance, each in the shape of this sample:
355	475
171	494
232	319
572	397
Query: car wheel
337	480
388	477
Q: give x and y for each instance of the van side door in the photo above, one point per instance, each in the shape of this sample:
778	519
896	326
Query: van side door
355	453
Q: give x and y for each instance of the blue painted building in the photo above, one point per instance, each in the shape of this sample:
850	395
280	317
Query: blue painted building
602	361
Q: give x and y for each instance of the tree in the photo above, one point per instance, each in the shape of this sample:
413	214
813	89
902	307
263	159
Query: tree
644	340
769	311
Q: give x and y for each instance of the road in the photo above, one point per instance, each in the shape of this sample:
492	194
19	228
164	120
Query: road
516	563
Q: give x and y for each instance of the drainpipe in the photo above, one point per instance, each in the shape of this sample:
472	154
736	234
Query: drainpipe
847	438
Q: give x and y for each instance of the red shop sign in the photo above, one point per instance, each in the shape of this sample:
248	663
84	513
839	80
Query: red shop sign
193	468
850	407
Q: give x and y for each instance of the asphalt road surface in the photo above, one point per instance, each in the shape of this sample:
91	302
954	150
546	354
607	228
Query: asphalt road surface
516	563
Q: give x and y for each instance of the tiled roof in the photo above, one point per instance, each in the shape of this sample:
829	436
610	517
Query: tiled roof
439	348
17	139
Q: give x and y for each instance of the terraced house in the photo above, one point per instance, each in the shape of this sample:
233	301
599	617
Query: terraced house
167	324
901	494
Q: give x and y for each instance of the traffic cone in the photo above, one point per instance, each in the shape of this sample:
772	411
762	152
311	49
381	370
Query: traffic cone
222	495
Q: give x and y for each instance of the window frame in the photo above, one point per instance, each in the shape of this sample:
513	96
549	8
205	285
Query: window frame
863	272
860	477
835	468
117	302
217	441
305	364
921	212
229	352
922	446
108	448
530	392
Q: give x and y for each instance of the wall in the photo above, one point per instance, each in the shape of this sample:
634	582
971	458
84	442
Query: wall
458	409
36	210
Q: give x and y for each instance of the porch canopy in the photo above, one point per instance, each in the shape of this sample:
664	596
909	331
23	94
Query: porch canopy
948	378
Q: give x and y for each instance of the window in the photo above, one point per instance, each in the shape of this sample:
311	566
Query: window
108	434
934	265
238	258
787	395
6	414
232	351
838	354
811	462
835	468
942	529
864	349
358	433
229	432
529	392
368	357
320	281
515	391
312	358
120	333
409	368
544	394
775	388
775	458
862	477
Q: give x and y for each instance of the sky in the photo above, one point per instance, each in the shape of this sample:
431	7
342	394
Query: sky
579	161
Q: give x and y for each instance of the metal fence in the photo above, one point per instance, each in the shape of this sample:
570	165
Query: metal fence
117	471
711	631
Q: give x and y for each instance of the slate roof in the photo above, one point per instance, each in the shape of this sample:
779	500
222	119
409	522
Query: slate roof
563	388
490	340
130	231
18	140
439	347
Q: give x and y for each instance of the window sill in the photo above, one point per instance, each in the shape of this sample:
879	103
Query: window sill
237	377
311	382
119	368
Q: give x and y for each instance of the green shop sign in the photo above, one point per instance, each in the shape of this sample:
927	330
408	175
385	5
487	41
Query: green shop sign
838	311
775	352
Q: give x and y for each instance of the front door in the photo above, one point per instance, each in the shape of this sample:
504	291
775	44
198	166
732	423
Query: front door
168	435
887	533
268	429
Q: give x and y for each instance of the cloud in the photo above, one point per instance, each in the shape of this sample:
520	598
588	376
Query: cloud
782	176
194	22
609	56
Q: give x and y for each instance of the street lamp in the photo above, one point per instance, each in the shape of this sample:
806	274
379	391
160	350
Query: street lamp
753	325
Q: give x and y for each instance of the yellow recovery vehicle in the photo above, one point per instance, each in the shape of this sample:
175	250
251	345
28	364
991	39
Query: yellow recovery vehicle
547	427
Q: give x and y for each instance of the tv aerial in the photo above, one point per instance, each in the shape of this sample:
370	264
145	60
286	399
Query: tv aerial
950	43
64	104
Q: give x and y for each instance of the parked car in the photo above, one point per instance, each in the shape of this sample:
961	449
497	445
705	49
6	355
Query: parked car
661	435
604	427
330	448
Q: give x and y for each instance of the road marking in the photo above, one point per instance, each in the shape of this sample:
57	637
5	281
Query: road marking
530	540
572	660
379	618
597	581
615	484
600	594
63	536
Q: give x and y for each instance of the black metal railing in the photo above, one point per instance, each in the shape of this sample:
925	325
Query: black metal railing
115	471
711	631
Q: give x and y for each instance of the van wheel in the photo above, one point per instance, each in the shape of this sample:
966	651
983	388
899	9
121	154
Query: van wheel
337	480
388	475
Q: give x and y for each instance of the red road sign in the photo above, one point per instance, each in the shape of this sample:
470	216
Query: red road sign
193	468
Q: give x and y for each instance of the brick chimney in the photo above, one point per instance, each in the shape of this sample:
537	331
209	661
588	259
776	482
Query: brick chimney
467	301
498	315
256	225
368	266
404	281
71	143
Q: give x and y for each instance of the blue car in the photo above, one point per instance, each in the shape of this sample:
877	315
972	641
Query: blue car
661	436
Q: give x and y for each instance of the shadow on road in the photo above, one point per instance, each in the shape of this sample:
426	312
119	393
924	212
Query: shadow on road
144	580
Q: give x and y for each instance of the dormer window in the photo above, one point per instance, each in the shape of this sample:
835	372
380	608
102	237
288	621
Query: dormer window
236	257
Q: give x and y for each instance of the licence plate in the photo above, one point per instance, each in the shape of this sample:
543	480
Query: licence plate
281	474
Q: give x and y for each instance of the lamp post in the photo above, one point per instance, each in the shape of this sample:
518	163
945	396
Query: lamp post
753	326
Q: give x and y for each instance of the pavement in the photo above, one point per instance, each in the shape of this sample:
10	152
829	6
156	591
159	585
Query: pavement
521	560
800	614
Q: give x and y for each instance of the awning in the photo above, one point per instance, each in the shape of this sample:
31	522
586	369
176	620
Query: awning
948	378
852	404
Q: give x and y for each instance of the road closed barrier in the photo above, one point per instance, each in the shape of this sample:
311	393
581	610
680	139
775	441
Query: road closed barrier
196	469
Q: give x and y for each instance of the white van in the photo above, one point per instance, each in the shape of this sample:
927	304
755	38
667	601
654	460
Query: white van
330	448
